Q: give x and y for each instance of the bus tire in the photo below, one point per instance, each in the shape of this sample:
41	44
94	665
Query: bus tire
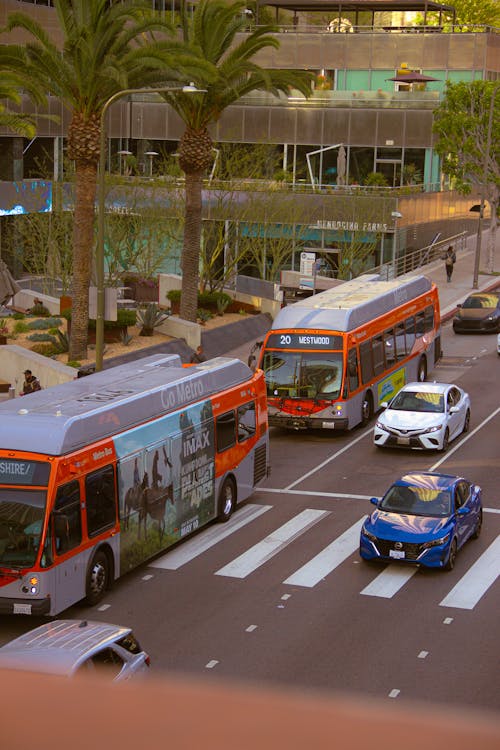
422	370
227	499
366	408
98	577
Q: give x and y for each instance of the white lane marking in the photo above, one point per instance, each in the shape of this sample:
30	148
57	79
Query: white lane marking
328	559
478	579
285	597
199	544
211	664
466	437
491	510
251	628
327	461
423	654
312	493
260	553
394	693
447	620
147	578
103	607
389	581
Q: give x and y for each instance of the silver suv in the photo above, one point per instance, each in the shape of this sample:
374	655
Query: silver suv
69	647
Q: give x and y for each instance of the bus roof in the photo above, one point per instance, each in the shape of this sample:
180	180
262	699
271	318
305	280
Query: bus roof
352	304
64	418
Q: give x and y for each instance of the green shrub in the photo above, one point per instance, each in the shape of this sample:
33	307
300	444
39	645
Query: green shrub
174	295
42	325
74	363
62	341
42	337
126	338
150	318
203	315
20	327
53	331
124	319
40	310
205	299
18	316
47	350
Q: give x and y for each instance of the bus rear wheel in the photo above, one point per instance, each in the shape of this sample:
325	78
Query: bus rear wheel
366	408
227	500
422	370
97	578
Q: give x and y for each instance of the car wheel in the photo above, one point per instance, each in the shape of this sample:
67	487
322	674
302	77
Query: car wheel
227	500
446	440
422	370
366	408
97	578
479	526
467	421
450	564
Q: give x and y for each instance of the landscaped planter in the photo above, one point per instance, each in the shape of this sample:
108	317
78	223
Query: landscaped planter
112	334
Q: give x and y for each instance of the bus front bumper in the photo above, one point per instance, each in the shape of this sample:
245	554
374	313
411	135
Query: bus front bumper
291	422
24	606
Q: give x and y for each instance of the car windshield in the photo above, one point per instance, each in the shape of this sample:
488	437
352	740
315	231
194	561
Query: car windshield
418	401
479	301
417	501
21	521
303	374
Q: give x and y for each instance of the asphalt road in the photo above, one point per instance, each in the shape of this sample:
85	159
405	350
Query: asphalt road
284	598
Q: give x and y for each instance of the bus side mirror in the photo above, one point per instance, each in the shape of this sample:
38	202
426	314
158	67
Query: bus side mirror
252	362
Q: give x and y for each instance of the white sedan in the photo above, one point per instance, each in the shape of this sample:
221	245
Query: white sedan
424	416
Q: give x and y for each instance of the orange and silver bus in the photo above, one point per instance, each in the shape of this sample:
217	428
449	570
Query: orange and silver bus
330	360
99	474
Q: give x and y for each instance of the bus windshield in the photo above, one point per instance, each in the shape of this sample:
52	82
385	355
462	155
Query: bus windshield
21	521
303	374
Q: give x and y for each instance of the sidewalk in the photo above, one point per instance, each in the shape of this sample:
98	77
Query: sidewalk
450	294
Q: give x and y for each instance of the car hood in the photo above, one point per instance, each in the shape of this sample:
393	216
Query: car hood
410	420
405	527
475	314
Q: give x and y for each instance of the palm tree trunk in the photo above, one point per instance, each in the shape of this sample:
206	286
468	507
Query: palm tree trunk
83	243
191	248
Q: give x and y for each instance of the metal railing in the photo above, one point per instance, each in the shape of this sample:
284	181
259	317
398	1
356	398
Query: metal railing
414	260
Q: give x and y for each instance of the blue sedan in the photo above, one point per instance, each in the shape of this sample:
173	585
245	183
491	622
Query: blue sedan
423	518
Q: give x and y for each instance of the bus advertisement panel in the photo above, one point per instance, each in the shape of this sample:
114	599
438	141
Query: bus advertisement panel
330	360
100	474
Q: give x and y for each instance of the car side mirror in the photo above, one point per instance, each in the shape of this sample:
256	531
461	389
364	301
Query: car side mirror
374	500
454	409
463	511
384	404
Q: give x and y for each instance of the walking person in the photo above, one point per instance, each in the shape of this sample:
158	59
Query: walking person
31	383
198	356
449	262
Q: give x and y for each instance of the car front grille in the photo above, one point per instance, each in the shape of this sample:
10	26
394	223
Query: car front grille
412	551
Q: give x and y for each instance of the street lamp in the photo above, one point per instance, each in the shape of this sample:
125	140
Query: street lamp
395	215
99	329
121	154
151	155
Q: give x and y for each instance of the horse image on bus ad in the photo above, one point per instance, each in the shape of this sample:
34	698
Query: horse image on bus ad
166	481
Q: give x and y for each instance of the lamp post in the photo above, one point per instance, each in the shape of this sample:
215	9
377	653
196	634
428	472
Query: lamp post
99	331
150	155
121	154
395	215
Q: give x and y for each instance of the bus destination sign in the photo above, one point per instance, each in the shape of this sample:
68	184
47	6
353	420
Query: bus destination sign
15	471
304	341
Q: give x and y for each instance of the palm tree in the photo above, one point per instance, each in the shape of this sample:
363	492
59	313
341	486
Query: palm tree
106	48
229	73
10	91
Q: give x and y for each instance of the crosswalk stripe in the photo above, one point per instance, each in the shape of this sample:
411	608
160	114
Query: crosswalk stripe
478	579
260	553
191	548
328	559
389	581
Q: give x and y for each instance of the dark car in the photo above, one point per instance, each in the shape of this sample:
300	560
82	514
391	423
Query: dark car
480	313
424	518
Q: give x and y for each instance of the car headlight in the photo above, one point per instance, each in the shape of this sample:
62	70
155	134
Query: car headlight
368	535
436	542
436	428
380	425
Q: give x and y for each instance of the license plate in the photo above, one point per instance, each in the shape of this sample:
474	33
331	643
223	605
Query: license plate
22	609
329	425
403	441
397	554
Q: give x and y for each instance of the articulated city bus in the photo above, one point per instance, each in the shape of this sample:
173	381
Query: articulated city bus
331	359
101	473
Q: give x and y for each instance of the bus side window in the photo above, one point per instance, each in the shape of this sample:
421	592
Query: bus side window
100	500
420	324
378	354
246	421
389	347
400	341
67	517
352	369
410	333
225	428
429	319
365	355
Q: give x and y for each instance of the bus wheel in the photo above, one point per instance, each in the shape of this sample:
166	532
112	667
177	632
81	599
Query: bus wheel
227	500
422	370
97	578
366	408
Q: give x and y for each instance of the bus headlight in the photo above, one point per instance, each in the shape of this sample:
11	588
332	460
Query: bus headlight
32	585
